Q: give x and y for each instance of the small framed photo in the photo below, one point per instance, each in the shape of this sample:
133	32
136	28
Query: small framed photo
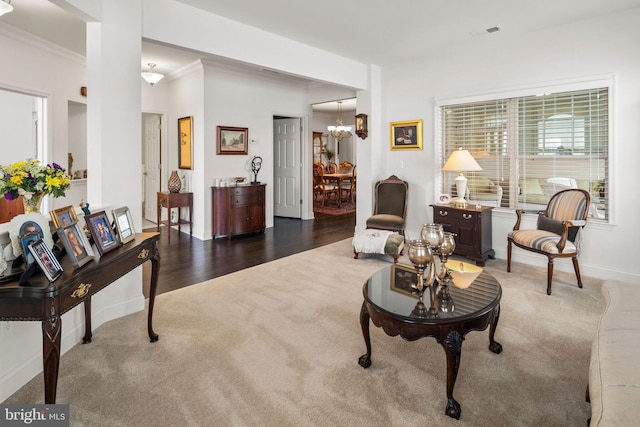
76	244
63	216
444	199
24	224
101	231
124	224
403	278
26	239
232	140
45	259
406	135
185	141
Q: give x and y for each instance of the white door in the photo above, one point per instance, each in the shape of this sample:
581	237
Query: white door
286	169
151	168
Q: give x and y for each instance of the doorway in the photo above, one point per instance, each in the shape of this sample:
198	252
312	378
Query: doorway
287	164
151	164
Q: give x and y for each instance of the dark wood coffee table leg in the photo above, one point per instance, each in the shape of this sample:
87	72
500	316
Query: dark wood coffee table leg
365	359
452	344
494	345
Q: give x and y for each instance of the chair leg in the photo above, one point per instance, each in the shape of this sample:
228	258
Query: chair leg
576	267
508	256
549	275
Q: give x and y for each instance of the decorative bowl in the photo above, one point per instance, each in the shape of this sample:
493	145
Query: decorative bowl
463	273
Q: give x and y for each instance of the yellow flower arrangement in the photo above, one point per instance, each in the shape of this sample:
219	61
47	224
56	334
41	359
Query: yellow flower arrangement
28	179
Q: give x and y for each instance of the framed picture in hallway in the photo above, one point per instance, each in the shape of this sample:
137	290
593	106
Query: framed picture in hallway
406	135
185	143
232	140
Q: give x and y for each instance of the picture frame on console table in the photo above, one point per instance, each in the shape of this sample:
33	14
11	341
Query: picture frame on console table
124	224
406	135
402	279
76	244
232	140
46	259
101	231
63	216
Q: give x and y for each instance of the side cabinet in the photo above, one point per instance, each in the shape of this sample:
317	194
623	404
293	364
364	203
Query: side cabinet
237	210
472	227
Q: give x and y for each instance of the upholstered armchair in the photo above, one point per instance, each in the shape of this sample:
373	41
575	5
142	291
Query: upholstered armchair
484	191
390	205
557	234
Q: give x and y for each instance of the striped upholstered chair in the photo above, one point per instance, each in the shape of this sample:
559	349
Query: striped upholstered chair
557	234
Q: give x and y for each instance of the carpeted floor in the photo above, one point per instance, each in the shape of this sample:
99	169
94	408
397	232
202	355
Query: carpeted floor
278	344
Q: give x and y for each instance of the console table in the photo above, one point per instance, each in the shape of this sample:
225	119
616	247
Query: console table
175	200
472	227
40	300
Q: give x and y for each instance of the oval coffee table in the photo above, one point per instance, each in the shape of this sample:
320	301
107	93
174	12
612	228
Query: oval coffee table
389	303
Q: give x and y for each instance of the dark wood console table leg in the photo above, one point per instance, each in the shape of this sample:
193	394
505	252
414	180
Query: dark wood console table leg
452	344
155	269
51	332
365	359
88	333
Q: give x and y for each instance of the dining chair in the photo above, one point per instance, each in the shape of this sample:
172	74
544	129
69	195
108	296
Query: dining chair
557	233
323	188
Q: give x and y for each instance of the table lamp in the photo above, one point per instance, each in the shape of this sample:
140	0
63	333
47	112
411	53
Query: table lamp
460	161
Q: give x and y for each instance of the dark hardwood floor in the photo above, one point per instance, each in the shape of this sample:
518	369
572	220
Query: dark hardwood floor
186	261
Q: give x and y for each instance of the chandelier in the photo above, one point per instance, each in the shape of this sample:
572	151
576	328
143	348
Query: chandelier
151	76
339	131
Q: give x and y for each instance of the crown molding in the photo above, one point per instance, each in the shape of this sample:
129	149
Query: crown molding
22	36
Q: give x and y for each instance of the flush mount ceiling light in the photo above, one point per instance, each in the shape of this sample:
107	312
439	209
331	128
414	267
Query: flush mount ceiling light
151	76
5	7
339	131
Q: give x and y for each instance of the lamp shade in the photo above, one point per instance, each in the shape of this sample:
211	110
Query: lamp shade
5	7
461	160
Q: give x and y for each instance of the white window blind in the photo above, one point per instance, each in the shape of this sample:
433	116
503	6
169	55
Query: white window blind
523	144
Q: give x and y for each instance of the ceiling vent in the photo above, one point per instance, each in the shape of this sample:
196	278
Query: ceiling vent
486	31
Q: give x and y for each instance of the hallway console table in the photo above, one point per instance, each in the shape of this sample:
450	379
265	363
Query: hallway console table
237	210
38	299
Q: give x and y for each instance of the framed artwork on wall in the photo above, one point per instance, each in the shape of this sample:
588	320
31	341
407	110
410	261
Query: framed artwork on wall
185	143
232	140
406	135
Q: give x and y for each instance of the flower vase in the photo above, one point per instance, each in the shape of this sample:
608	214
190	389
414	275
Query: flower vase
32	205
175	183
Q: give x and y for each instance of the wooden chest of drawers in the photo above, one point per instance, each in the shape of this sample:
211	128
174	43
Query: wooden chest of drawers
237	210
472	227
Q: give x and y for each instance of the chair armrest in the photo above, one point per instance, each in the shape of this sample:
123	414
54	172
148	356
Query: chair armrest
520	212
577	223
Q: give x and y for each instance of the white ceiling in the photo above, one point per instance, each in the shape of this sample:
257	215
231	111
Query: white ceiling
370	31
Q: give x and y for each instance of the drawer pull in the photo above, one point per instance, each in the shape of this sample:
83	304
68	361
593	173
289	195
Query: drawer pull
81	290
467	216
444	213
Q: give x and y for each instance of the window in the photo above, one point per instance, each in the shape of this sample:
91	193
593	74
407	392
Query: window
525	142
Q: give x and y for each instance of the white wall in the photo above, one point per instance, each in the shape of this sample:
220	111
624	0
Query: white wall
16	127
501	62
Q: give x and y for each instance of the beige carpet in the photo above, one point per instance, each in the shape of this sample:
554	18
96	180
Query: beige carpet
278	344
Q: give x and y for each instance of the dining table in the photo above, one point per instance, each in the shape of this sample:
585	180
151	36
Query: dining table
339	178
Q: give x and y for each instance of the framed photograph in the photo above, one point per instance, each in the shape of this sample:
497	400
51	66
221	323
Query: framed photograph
24	224
101	231
63	216
402	278
232	140
406	135
185	143
124	224
76	243
45	259
444	199
26	239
